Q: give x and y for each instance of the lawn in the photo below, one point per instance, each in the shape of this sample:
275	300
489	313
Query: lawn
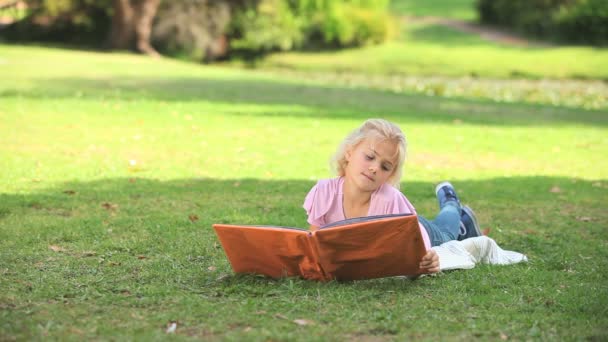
114	167
455	9
427	48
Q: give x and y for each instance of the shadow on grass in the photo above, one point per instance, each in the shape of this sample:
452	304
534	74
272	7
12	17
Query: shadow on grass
150	216
148	244
332	102
142	250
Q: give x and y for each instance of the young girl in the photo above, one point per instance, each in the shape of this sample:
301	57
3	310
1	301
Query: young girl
369	163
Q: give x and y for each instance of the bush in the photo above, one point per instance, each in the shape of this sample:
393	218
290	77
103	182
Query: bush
269	25
577	21
289	24
585	22
191	28
82	22
348	25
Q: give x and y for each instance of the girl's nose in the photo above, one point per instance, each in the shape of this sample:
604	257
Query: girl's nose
372	169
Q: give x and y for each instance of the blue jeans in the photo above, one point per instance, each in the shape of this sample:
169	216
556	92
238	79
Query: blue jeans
446	225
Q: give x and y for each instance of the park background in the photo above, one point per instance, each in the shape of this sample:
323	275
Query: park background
117	156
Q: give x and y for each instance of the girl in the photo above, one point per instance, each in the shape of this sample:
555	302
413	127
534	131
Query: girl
369	163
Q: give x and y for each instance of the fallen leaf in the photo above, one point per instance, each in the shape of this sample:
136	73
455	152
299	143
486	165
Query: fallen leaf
302	322
503	336
555	189
211	268
222	277
132	180
247	329
280	316
141	257
69	192
56	248
125	292
584	218
193	218
171	327
89	253
236	184
261	312
109	206
486	231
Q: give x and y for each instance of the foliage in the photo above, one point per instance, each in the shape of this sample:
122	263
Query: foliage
192	27
72	21
579	21
266	26
586	21
288	24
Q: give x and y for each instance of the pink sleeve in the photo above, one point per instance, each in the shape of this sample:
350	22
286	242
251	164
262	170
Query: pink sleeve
316	204
400	205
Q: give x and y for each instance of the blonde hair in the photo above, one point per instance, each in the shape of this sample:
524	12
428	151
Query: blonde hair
373	128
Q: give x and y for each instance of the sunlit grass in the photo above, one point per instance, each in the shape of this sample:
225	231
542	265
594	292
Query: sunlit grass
411	57
457	9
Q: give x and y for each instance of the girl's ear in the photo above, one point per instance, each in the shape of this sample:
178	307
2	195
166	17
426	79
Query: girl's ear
348	153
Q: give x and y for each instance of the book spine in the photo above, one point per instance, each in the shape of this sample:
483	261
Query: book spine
315	259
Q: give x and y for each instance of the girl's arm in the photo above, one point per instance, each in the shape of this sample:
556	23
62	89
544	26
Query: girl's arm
312	228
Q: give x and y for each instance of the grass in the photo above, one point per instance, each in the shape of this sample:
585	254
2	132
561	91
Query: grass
455	9
425	48
115	166
422	56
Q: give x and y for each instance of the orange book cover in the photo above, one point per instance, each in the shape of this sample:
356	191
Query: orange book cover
360	248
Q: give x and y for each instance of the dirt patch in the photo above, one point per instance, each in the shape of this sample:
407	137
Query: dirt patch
485	32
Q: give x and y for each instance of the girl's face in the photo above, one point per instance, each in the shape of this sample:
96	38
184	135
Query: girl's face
371	163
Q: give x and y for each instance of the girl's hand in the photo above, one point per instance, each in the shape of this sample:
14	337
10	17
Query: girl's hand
430	261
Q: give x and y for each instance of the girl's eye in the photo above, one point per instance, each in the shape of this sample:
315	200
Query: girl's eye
368	157
385	168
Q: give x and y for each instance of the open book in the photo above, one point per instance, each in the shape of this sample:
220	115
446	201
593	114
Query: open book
360	248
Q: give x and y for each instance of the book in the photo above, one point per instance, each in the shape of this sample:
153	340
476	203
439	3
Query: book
354	249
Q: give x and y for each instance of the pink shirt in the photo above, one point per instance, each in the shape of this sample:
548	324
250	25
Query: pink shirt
323	204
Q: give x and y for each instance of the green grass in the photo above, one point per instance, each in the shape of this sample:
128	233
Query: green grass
455	9
114	167
446	56
427	48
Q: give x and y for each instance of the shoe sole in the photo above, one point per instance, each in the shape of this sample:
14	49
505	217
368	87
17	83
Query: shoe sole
471	214
441	185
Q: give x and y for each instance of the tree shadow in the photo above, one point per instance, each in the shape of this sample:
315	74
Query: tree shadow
323	101
150	240
191	206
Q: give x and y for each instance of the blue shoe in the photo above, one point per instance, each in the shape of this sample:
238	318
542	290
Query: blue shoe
445	193
469	220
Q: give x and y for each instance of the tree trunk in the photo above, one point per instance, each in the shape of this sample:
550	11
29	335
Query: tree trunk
122	31
132	25
143	26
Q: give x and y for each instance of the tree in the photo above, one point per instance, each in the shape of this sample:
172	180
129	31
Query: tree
131	25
